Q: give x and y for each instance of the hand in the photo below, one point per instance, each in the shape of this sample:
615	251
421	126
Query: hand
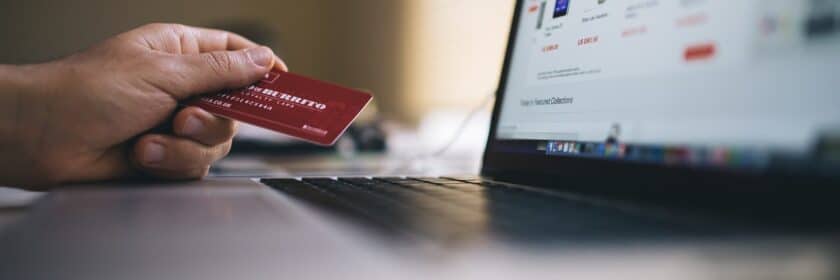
97	115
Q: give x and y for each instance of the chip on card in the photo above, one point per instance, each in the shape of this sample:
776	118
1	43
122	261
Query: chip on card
295	105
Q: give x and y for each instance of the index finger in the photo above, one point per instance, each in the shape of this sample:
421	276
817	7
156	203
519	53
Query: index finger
183	39
210	40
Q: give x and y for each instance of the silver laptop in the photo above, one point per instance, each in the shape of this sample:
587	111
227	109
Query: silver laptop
622	132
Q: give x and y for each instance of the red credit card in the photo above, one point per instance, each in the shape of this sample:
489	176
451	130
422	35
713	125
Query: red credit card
302	107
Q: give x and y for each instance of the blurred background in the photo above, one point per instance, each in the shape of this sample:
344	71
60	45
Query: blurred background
428	63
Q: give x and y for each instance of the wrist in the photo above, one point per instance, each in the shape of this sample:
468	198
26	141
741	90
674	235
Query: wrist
12	88
18	89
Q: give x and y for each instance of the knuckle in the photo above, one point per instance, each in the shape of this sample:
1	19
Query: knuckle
225	149
229	129
155	26
192	173
234	127
177	27
204	172
220	62
216	152
207	156
200	172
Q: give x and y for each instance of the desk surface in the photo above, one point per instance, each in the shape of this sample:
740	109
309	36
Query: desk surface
787	258
332	165
14	202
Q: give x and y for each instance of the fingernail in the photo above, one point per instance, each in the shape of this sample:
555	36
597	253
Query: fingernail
261	56
153	154
192	126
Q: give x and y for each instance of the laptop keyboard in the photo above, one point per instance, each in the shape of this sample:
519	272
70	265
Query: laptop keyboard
457	208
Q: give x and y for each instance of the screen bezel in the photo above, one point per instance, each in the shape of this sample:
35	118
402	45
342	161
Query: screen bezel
600	175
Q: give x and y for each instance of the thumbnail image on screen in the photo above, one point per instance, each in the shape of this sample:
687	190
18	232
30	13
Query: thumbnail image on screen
561	8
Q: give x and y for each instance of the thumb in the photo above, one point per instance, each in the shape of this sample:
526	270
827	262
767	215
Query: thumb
216	71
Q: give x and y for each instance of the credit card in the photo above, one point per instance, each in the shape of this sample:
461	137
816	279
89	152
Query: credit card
305	108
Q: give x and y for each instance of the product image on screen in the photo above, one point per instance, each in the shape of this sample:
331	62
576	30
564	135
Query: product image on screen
541	15
561	8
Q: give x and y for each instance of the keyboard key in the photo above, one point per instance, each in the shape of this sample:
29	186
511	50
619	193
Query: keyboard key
328	201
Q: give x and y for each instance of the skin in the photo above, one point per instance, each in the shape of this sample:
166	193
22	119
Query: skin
111	112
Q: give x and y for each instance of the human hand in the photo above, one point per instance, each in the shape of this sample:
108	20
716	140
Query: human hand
97	115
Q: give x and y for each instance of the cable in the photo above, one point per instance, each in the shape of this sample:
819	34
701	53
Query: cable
454	139
460	132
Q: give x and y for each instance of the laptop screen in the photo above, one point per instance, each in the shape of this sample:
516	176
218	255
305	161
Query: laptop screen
746	85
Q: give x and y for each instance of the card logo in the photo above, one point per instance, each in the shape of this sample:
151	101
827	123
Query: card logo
303	101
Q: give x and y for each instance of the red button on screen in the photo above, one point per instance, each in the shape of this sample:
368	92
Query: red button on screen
700	52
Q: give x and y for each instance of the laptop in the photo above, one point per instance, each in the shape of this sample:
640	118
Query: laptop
615	123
